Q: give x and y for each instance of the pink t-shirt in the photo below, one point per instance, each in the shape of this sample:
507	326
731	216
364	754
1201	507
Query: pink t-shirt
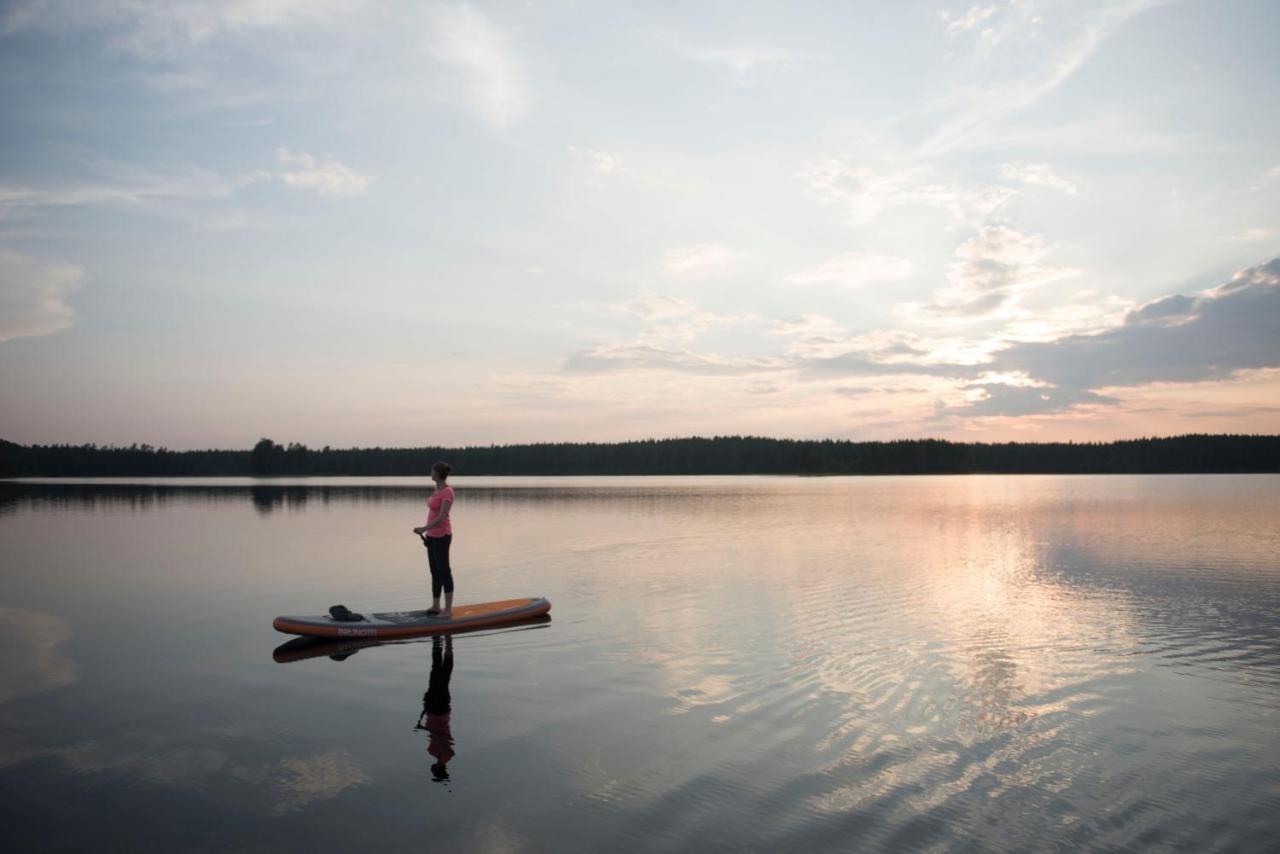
433	510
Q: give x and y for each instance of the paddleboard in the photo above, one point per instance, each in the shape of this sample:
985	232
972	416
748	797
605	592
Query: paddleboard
340	649
403	624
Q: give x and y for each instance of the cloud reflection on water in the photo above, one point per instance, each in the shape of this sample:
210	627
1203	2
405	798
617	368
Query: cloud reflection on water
34	660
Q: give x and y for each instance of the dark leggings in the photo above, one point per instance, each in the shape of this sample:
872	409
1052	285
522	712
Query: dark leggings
438	559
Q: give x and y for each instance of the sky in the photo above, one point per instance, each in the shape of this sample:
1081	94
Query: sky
359	223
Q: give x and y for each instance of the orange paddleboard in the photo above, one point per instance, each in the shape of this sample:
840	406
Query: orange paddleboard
403	624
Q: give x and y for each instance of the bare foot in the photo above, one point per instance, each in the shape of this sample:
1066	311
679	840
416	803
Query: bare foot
446	615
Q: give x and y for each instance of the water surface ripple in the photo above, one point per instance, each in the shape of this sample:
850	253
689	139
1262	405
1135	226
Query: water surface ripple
1018	663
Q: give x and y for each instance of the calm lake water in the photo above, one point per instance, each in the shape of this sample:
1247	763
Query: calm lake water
774	664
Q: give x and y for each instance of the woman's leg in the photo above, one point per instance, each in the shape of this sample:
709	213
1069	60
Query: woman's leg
446	574
434	563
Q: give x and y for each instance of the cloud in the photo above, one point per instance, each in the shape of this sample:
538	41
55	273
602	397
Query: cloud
700	261
743	61
493	80
601	358
667	320
820	351
1109	135
327	177
867	192
859	187
166	30
116	183
975	15
175	81
853	270
990	270
991	24
1177	338
968	203
280	13
1038	174
1173	310
851	363
33	295
807	325
125	184
1229	330
821	346
651	306
670	325
1249	235
860	391
762	387
973	109
601	162
1083	311
1009	400
1233	413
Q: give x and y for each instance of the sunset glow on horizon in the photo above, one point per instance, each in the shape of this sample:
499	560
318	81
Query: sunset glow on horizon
356	223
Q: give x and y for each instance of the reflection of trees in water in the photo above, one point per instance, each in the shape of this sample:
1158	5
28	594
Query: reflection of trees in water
89	496
269	497
265	498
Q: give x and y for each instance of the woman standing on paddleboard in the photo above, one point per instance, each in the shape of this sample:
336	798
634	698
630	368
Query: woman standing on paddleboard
437	535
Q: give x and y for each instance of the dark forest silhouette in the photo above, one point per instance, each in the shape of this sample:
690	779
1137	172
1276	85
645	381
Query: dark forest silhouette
716	455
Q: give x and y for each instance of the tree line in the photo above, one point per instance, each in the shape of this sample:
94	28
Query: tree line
694	455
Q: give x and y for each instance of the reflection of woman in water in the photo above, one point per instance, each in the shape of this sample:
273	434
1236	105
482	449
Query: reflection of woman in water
437	535
435	707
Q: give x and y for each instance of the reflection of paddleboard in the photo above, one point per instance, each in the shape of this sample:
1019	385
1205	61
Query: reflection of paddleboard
339	649
403	624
